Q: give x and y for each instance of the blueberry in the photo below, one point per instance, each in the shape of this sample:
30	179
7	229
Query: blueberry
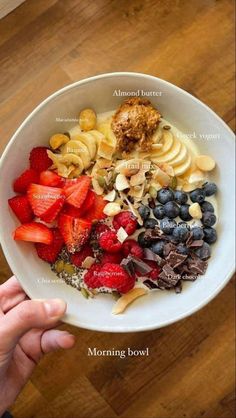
197	195
180	197
184	213
150	223
171	209
204	252
207	207
144	211
208	219
165	195
159	212
197	233
167	225
181	233
158	247
210	235
184	224
182	249
210	189
143	242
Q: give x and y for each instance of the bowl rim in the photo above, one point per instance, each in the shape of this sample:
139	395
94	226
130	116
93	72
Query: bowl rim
104	328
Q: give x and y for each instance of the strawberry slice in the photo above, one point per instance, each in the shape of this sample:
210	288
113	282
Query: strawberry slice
50	252
89	202
21	208
50	178
72	211
22	182
39	159
70	185
78	192
45	201
96	212
78	213
75	231
33	232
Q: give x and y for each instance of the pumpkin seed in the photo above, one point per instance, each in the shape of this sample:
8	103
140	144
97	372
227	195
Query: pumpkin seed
84	292
153	192
173	183
69	268
101	181
59	266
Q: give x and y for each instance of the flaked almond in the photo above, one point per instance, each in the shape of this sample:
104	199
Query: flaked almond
97	188
129	167
127	299
112	209
110	197
121	235
138	178
161	177
122	182
196	177
88	262
195	211
205	162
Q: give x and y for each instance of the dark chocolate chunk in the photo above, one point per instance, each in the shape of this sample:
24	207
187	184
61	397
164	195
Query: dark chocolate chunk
168	247
128	265
141	266
151	256
150	284
196	244
175	259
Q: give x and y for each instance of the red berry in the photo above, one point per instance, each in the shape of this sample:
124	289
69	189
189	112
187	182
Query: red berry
131	247
114	258
39	159
91	278
50	252
33	232
50	178
115	277
99	229
108	241
77	193
75	231
22	183
125	220
21	208
96	211
78	257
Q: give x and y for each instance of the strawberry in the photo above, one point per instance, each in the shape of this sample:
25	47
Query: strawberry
50	178
75	231
50	252
72	211
96	212
78	257
78	213
22	182
71	185
39	159
89	202
21	208
33	232
78	192
45	201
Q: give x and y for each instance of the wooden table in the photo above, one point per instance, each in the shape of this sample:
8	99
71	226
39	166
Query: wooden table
46	44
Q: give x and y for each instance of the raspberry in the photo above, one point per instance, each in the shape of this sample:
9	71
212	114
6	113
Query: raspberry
115	277
154	274
114	258
92	277
78	257
131	247
99	229
108	241
125	220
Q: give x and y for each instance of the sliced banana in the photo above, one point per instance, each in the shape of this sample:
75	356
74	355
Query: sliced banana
167	140
105	129
78	148
182	168
88	139
170	155
181	157
76	130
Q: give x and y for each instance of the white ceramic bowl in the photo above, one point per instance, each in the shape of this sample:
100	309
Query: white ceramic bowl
189	115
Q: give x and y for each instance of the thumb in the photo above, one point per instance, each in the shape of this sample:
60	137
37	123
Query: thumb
27	315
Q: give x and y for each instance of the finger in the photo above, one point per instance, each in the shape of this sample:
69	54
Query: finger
11	294
27	315
53	339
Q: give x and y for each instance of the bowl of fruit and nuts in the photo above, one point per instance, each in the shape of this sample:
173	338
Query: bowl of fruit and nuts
120	206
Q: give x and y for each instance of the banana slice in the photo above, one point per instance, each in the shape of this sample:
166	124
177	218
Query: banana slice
181	157
88	139
182	168
105	129
167	140
76	130
79	149
170	155
72	159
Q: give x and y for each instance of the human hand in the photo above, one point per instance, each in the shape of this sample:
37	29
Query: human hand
25	336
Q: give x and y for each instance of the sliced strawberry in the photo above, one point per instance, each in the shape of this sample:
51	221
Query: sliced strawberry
89	202
21	208
50	178
39	159
75	231
72	211
76	194
22	182
96	212
33	232
45	201
80	212
78	257
50	252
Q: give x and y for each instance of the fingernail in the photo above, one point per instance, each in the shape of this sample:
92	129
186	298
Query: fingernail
55	307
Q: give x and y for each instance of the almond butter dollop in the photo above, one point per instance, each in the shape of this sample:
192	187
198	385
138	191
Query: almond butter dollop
134	124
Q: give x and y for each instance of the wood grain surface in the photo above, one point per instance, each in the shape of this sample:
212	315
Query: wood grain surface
46	44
